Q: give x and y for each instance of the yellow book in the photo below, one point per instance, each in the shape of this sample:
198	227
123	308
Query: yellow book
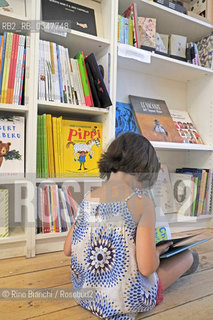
59	142
6	67
50	158
82	145
55	146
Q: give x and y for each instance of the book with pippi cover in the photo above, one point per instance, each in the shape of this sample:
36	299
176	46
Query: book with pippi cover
154	119
185	127
82	147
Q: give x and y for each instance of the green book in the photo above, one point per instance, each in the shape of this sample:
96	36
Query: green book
38	154
84	78
195	195
45	162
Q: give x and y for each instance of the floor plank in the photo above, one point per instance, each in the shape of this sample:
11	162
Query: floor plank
52	270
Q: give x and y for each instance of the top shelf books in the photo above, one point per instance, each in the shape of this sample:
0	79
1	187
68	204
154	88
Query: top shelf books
170	21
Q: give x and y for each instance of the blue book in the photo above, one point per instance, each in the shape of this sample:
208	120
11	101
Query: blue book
2	61
125	119
175	250
59	74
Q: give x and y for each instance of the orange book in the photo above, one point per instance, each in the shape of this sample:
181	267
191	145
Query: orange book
11	67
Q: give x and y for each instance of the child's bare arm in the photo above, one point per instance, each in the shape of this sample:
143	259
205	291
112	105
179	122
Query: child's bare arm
68	242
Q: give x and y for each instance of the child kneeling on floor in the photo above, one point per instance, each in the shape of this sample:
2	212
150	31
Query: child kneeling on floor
112	243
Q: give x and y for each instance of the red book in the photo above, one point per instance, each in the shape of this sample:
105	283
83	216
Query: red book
72	203
11	69
46	215
14	68
54	207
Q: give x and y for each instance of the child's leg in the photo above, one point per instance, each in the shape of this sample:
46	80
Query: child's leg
172	268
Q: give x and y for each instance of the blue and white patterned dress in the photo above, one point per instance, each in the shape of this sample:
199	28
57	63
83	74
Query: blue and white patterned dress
103	259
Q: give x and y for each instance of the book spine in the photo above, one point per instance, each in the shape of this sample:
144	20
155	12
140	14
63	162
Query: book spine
59	73
119	28
122	31
14	69
18	69
58	209
54	208
77	74
22	77
50	201
46	222
6	61
11	66
85	81
3	62
130	32
55	146
126	31
57	86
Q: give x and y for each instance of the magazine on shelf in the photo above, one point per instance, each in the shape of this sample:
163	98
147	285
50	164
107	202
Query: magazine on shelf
185	127
154	119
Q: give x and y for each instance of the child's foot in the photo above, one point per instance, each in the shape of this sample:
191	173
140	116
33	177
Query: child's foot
194	265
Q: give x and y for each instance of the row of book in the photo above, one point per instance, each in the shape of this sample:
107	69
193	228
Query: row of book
56	209
67	148
76	81
188	191
13	55
153	119
4	230
141	32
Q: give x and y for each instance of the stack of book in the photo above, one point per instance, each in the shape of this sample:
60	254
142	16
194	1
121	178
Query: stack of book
76	81
56	209
12	67
67	147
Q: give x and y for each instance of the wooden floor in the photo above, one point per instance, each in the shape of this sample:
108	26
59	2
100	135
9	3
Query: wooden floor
190	298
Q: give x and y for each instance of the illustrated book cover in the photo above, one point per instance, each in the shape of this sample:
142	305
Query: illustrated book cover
82	147
185	127
125	119
82	18
147	33
154	119
12	145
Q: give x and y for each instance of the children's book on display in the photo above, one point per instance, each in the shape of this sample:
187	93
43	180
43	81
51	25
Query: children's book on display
11	145
154	119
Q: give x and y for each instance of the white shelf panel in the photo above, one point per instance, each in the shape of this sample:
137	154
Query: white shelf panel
15	236
165	67
175	218
13	108
77	41
170	21
51	235
10	180
181	146
46	106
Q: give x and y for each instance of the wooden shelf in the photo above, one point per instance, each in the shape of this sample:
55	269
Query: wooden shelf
46	106
13	108
181	146
165	67
77	41
170	21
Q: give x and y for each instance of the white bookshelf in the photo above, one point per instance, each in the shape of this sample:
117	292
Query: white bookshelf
182	85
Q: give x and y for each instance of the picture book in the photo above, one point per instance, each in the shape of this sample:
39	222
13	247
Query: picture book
82	18
182	191
185	127
125	119
147	33
3	213
11	145
162	191
173	250
154	119
82	147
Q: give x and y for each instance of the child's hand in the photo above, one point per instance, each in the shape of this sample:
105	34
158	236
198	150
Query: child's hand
163	248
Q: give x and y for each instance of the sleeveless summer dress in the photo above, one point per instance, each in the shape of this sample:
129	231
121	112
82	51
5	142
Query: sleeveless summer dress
103	259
